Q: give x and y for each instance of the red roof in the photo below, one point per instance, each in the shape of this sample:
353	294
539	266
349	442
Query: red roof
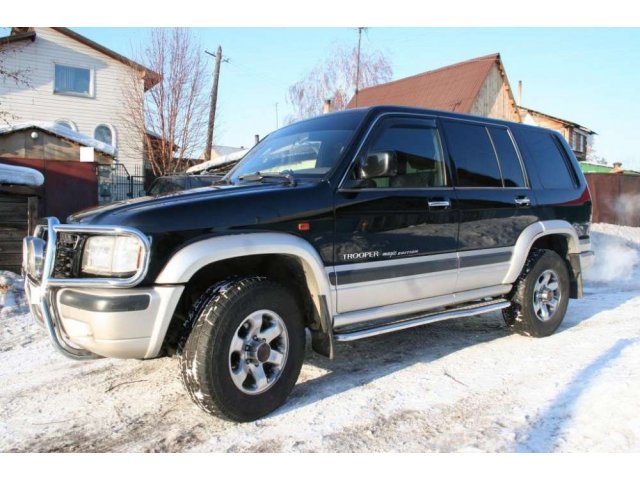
452	88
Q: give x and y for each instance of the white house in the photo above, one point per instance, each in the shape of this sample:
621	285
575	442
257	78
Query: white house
76	82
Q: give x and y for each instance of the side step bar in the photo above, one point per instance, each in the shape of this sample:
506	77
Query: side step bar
416	321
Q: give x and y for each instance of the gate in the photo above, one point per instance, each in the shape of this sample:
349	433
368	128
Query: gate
118	183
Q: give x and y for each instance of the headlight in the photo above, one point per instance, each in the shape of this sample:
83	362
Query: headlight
112	255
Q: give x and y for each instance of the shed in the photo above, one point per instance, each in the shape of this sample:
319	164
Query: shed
68	160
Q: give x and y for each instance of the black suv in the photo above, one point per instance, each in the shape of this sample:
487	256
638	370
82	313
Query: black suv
350	225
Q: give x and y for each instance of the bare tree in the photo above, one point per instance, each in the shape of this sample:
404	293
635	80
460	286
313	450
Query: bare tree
9	73
171	116
335	79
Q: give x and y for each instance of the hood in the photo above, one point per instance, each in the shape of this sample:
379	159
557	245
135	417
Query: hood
202	208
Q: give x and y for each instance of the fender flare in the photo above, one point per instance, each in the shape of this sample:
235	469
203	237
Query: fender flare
186	262
532	233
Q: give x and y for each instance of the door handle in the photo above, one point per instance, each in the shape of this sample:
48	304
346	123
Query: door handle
444	204
523	201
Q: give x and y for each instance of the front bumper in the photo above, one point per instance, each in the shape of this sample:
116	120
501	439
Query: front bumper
126	323
93	317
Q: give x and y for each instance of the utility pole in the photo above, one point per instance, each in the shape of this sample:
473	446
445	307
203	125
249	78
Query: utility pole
360	29
214	100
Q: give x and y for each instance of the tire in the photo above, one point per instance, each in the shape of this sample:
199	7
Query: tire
537	308
245	351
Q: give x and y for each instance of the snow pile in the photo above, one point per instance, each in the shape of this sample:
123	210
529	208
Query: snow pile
61	131
12	297
463	385
14	175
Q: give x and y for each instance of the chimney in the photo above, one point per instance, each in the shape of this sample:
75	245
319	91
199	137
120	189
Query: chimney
326	108
257	138
520	92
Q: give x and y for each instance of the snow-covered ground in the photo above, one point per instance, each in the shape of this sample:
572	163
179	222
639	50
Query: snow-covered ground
463	385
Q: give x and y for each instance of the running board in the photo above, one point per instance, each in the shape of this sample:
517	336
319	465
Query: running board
416	321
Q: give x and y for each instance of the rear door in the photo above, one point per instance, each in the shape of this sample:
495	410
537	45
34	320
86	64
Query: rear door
493	198
396	237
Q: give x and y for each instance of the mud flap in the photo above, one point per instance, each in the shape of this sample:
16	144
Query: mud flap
322	339
576	290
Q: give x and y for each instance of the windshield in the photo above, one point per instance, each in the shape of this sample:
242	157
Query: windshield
306	149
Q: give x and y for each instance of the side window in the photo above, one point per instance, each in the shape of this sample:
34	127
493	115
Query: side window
549	161
509	162
473	155
417	150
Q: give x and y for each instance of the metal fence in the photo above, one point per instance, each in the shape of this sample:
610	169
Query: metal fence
616	198
116	182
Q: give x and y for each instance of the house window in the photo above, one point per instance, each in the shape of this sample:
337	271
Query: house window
579	141
66	124
105	134
73	80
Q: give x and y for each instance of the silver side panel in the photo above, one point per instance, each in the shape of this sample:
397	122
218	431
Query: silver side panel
470	278
530	234
395	290
400	309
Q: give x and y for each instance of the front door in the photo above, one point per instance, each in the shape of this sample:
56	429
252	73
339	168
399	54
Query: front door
396	235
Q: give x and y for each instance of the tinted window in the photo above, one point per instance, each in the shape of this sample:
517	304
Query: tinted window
548	160
509	162
473	155
418	152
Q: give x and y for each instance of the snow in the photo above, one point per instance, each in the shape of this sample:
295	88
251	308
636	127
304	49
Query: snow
219	161
464	385
61	131
14	175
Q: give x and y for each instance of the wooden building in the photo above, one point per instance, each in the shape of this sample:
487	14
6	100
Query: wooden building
579	137
73	165
478	87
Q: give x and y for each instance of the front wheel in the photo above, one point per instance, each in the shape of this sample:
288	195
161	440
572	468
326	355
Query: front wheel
541	295
245	351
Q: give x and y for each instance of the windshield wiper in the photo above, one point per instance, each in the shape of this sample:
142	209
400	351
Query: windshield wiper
222	181
260	176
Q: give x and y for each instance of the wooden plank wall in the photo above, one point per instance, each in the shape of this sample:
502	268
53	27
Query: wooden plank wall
616	198
18	215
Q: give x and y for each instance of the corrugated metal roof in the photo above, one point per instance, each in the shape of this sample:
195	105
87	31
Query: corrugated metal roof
453	88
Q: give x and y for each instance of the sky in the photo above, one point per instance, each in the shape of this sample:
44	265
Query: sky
590	76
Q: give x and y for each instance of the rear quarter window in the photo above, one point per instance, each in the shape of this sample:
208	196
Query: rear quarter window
551	164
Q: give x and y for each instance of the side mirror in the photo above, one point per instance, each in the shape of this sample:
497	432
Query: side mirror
380	164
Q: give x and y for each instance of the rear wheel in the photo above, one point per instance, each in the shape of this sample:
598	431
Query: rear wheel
245	351
540	296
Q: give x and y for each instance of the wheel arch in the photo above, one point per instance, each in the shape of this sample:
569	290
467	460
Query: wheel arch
283	256
557	235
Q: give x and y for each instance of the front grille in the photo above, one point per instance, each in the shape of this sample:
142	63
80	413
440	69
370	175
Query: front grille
68	250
